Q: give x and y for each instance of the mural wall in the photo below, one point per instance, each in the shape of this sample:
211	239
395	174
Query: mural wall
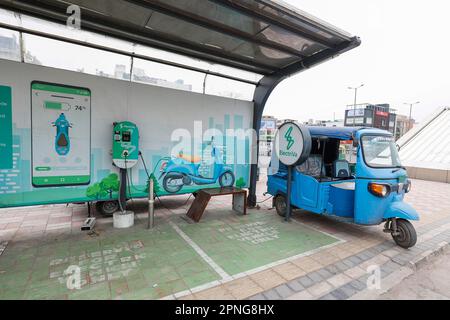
56	137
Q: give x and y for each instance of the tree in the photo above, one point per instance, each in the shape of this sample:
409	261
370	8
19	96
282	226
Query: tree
106	187
110	184
95	192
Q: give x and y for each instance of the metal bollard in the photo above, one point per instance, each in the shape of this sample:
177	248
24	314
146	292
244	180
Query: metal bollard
151	204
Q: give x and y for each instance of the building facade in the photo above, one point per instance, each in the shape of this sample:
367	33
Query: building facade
9	46
404	124
380	116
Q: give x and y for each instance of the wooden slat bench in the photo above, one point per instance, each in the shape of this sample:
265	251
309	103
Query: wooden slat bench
203	196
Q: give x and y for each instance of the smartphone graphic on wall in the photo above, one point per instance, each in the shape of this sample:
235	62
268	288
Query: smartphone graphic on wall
61	135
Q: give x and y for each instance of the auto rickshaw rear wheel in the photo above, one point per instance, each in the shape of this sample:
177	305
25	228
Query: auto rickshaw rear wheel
406	236
280	205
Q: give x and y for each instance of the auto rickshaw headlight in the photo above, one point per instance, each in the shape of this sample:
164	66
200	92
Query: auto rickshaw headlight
408	186
379	189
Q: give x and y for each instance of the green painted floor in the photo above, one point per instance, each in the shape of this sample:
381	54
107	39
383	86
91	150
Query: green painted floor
243	243
132	264
141	264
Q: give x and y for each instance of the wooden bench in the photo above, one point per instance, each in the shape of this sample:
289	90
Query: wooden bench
203	196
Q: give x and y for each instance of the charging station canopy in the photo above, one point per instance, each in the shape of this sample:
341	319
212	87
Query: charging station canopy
256	42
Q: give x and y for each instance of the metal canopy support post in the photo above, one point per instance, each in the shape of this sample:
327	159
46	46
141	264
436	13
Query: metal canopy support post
262	93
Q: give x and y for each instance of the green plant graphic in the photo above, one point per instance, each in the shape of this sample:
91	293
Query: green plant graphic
95	192
110	184
240	183
156	186
106	187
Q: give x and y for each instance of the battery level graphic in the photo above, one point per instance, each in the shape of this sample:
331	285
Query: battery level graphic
59	106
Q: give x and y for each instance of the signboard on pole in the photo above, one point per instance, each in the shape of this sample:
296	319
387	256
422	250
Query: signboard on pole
292	143
292	147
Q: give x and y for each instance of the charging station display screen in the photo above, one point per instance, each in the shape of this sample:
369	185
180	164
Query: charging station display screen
61	135
126	136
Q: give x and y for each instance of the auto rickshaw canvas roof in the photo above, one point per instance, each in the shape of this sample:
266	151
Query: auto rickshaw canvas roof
266	37
343	133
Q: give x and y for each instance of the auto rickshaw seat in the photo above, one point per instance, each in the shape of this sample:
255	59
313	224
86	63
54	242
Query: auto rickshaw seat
341	169
313	166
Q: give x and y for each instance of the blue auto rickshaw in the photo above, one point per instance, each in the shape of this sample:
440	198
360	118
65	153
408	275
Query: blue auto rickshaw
368	192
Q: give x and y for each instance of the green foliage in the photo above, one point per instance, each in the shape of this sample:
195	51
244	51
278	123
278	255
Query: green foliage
107	186
110	184
240	183
95	192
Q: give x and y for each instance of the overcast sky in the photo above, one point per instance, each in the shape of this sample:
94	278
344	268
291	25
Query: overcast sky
404	57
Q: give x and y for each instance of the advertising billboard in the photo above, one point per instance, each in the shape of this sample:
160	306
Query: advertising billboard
57	135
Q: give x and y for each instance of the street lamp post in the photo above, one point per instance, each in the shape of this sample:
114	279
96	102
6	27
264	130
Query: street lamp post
354	105
410	113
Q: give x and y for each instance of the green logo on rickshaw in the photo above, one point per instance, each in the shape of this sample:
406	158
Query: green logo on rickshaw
289	138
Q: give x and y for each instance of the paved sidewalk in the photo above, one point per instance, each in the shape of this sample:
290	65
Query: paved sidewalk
341	272
334	271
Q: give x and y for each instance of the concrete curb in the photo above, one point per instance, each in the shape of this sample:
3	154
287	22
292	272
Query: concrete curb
426	256
404	272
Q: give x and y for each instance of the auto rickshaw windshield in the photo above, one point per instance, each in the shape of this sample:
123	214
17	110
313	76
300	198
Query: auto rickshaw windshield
380	151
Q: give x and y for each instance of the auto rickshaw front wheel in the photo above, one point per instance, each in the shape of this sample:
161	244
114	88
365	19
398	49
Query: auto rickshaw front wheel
405	236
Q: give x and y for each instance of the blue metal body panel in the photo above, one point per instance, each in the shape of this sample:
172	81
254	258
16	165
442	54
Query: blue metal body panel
307	193
400	209
341	202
